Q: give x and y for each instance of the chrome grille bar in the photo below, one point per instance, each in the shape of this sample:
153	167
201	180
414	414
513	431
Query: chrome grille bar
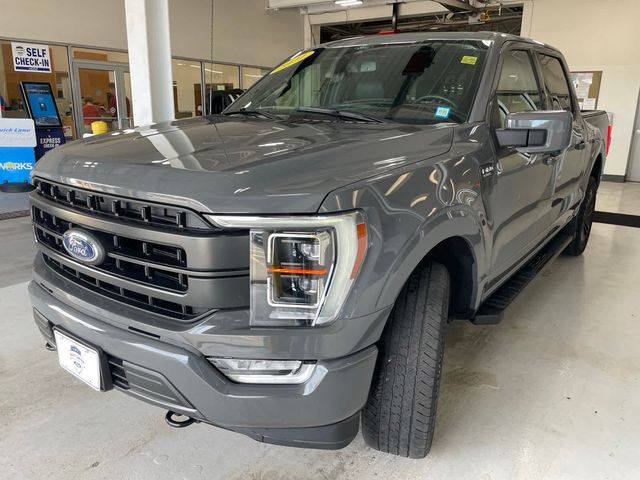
124	209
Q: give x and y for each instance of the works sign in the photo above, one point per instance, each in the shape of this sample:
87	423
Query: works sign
13	166
31	57
17	157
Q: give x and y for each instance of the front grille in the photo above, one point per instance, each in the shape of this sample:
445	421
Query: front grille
136	299
120	208
142	261
145	384
167	268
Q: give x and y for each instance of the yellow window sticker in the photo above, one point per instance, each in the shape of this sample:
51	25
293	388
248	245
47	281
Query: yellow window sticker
469	60
292	61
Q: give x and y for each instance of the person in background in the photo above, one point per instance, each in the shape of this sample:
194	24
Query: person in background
112	107
90	113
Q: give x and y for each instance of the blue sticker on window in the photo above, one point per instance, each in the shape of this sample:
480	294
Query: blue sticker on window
442	112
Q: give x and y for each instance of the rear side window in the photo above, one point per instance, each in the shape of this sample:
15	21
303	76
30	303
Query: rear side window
518	89
556	82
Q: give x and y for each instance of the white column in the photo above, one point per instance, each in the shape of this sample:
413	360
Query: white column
150	60
527	19
307	34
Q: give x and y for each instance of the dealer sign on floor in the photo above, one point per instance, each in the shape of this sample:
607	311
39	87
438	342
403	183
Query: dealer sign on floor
31	57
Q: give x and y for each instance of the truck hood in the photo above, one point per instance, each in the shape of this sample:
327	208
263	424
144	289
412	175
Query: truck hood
230	164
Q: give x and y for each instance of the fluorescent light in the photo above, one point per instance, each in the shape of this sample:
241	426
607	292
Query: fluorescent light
347	3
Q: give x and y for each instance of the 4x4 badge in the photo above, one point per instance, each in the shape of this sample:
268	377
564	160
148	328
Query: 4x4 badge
486	170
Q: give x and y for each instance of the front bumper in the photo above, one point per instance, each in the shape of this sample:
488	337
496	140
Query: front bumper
172	372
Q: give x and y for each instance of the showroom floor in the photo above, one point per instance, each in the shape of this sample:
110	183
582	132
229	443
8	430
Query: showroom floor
11	202
619	198
553	392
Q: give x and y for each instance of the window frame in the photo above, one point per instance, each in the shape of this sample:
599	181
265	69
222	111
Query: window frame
547	93
508	49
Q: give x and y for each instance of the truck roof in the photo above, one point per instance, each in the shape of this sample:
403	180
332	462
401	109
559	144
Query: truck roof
496	37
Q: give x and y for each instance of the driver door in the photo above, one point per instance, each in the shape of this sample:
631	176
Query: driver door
519	202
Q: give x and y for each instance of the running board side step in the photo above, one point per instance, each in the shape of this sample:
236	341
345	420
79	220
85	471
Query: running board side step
492	310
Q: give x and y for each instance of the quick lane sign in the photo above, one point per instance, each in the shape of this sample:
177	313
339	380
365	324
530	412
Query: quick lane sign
31	57
17	139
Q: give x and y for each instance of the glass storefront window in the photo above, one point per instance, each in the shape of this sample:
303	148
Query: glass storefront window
187	88
99	55
10	97
97	86
251	75
95	82
220	78
223	77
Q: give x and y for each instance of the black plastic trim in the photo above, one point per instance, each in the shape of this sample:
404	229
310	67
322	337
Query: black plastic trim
327	437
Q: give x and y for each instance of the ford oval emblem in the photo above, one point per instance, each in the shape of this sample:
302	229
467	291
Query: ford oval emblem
83	246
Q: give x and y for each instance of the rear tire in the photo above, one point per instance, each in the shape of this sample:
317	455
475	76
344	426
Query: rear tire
399	416
580	226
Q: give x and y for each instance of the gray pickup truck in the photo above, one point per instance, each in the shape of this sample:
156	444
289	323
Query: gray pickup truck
287	269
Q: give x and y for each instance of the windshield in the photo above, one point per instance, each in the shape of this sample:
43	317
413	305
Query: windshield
420	83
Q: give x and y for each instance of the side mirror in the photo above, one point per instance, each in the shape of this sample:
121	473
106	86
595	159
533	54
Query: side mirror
543	131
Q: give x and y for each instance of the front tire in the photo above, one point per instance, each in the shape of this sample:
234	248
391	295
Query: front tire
580	226
399	416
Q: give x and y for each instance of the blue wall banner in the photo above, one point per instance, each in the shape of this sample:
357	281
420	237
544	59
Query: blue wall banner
17	142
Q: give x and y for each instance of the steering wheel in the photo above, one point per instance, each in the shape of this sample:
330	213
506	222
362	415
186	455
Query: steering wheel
437	99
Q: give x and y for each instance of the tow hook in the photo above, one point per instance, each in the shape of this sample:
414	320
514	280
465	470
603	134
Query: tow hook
170	418
50	347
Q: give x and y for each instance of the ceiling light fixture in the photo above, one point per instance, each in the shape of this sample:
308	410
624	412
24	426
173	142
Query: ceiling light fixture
347	3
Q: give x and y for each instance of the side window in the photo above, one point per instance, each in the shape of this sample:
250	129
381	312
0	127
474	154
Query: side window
556	82
518	89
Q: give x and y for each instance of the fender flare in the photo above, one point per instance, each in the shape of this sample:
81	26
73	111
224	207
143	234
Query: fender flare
449	223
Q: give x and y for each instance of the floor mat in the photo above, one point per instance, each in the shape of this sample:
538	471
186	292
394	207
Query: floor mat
10	215
617	219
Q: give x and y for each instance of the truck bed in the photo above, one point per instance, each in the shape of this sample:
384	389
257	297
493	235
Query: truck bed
599	119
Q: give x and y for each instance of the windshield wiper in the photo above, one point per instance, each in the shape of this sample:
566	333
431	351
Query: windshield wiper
346	114
253	112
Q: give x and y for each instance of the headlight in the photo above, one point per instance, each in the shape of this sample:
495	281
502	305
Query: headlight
301	268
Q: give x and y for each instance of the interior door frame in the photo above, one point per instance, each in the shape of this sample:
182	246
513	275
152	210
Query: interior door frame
633	161
119	69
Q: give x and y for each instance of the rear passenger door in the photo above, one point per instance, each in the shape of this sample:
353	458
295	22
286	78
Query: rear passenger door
570	166
519	201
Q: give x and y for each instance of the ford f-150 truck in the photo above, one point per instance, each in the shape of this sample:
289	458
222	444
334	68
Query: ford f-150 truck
287	269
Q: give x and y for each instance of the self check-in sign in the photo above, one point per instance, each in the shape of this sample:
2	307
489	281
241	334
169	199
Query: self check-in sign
31	57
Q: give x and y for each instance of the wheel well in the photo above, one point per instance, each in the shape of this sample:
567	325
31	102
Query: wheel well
596	171
456	254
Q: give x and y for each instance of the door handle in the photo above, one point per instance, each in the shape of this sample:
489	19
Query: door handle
581	145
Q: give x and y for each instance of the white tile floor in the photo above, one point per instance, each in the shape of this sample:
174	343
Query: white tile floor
551	393
11	202
619	198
